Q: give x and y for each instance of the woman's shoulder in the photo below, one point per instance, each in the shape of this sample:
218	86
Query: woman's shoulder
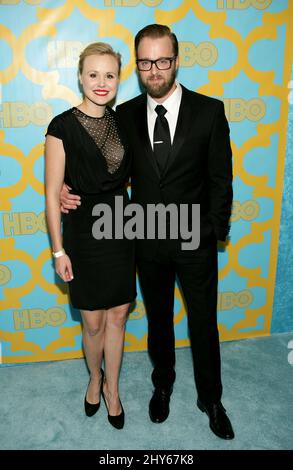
63	117
58	125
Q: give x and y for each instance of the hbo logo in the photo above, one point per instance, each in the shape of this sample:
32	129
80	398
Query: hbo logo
237	109
243	4
20	114
204	54
5	274
23	223
229	300
248	211
38	318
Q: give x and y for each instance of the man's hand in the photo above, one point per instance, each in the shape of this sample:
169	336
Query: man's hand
68	201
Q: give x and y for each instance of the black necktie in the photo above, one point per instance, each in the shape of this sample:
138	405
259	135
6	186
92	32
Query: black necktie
162	139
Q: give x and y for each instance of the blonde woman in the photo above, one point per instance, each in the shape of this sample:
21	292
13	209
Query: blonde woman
85	149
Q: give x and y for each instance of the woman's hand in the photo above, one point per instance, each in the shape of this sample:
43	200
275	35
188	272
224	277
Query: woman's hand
63	268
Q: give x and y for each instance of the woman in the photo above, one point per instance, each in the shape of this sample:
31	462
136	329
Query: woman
84	147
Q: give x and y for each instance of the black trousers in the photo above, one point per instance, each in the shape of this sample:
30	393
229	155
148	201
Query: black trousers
197	273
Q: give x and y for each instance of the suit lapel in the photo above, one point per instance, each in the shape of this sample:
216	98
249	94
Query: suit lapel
142	127
184	122
186	117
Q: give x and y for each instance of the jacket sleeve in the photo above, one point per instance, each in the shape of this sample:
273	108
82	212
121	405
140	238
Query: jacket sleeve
220	174
55	128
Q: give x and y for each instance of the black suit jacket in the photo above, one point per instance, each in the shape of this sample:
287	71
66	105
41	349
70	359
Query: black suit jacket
199	168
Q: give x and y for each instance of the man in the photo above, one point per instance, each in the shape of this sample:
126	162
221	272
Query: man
181	155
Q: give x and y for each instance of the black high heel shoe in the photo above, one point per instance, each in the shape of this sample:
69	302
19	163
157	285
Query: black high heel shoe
116	421
91	408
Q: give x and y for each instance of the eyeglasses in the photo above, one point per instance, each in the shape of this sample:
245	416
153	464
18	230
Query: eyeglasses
164	63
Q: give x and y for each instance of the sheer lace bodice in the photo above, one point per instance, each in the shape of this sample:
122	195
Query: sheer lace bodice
104	132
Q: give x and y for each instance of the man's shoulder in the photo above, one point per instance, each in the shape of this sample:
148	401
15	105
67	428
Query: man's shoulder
199	98
131	104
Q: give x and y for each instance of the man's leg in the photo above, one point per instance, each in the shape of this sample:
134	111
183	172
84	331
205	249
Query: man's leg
198	276
157	282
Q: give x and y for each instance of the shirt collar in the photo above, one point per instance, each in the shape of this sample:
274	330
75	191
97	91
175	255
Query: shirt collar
171	103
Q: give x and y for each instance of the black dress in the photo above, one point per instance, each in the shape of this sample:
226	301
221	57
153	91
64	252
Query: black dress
97	166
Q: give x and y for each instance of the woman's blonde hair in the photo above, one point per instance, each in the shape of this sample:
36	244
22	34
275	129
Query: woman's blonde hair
98	48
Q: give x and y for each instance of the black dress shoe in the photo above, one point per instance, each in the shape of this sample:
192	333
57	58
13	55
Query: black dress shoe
91	408
159	405
219	421
118	420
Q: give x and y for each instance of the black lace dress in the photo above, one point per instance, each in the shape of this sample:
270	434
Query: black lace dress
97	165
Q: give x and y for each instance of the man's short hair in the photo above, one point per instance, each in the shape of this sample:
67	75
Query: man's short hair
155	31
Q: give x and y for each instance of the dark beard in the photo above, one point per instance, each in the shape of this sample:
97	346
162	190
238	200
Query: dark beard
161	90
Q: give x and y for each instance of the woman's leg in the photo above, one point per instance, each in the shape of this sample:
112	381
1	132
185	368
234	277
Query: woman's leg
93	343
113	349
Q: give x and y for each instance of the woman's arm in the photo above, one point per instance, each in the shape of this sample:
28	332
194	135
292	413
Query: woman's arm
54	176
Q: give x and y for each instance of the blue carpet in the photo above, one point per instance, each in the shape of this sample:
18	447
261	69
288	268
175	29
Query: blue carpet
41	404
